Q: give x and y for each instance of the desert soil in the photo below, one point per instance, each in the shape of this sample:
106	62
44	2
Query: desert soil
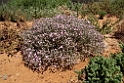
12	69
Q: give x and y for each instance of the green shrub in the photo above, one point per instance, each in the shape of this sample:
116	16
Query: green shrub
85	1
21	10
38	13
9	40
38	3
60	41
4	13
101	70
117	8
122	46
94	8
119	57
11	13
113	7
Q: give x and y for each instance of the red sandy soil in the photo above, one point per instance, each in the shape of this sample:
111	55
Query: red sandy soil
16	72
14	68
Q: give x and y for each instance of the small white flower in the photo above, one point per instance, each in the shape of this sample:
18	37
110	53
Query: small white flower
46	56
51	35
61	47
88	22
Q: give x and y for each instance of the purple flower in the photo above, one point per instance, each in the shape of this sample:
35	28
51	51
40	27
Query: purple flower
60	41
46	56
51	35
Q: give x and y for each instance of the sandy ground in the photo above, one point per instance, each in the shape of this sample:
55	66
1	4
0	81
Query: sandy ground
12	69
16	72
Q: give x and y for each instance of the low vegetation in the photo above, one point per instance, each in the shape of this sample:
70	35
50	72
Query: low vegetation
16	10
10	40
104	70
60	41
101	70
59	38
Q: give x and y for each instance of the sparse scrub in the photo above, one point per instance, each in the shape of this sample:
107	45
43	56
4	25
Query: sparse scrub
60	42
9	40
120	29
105	28
29	9
44	8
117	8
11	13
94	8
102	7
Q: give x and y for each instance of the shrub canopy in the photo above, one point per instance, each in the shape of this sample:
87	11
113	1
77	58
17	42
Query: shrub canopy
60	41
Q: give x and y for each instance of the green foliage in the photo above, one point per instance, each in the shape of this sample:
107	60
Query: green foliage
5	12
119	57
9	40
12	13
80	9
122	46
29	9
85	1
112	7
117	7
38	3
37	13
101	70
45	8
102	14
94	8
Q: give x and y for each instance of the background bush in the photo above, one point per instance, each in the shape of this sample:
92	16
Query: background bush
60	42
11	13
38	3
85	1
17	10
112	7
101	70
116	7
30	9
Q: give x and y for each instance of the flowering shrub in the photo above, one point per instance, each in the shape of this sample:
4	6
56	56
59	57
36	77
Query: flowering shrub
60	42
